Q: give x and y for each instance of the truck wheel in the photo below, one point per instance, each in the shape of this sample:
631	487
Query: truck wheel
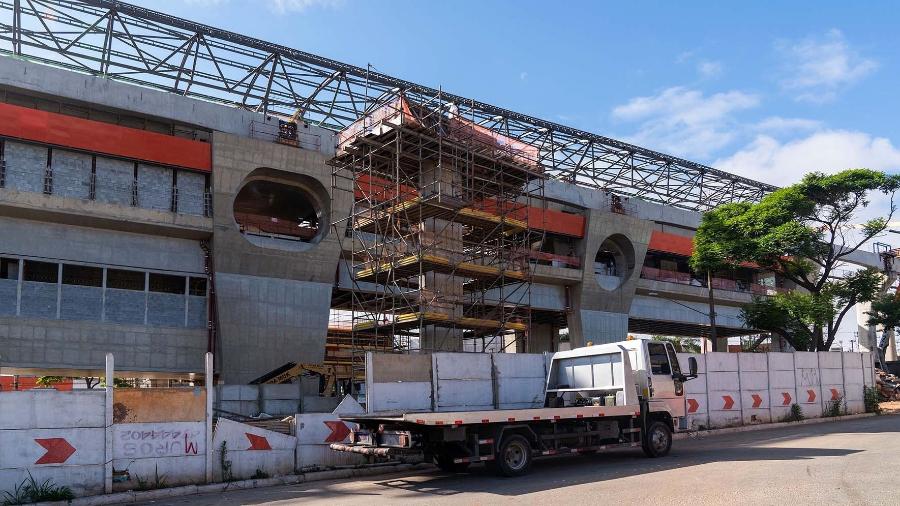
514	456
658	440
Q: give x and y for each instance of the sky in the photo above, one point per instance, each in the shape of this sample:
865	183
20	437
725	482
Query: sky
766	90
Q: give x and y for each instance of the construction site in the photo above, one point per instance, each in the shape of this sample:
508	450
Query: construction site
216	202
187	207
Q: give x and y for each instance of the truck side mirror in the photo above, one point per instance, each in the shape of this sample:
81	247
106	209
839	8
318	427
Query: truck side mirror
692	367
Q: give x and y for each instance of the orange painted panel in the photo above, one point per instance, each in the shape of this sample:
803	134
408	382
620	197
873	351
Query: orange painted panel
7	383
94	136
671	243
539	218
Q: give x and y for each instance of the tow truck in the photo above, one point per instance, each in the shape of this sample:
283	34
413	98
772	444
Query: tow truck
596	398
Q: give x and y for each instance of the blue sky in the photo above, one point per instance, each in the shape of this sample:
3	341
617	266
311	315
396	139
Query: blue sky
768	90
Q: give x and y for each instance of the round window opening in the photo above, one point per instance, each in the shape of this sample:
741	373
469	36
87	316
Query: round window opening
276	215
614	262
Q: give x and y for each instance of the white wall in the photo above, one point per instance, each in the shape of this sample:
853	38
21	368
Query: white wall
735	389
32	420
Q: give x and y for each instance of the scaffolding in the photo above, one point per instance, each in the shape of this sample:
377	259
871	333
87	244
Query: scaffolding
438	242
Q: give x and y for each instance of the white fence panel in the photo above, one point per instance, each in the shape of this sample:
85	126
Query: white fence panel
782	384
724	389
831	376
695	398
754	376
809	389
854	382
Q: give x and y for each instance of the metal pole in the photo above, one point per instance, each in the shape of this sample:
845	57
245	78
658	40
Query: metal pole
712	314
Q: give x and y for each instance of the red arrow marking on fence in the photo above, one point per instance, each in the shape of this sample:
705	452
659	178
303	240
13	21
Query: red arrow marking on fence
257	442
757	400
787	398
58	450
812	395
339	431
693	405
835	394
729	402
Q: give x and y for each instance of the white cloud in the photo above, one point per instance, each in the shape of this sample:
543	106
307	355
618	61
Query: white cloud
709	69
284	6
781	125
684	121
523	76
817	68
783	163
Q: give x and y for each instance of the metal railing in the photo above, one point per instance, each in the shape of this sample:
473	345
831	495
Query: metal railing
687	278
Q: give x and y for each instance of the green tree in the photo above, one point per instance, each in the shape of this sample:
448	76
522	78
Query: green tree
885	312
48	381
804	233
681	344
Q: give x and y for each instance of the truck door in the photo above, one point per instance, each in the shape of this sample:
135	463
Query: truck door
665	376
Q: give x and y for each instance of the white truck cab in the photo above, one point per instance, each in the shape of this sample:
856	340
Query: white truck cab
599	375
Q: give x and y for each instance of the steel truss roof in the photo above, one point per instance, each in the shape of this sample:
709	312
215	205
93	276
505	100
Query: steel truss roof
145	47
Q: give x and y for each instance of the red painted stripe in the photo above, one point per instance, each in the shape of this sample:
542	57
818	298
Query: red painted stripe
510	419
556	417
98	137
457	422
537	418
579	416
420	421
485	420
439	422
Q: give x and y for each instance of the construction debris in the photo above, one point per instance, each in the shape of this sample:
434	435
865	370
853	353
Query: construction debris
888	385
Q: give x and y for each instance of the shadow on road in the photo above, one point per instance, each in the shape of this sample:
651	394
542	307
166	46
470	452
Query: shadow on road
568	471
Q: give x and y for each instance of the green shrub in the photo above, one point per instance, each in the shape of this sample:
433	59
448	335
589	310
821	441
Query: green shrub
872	398
835	407
30	491
795	414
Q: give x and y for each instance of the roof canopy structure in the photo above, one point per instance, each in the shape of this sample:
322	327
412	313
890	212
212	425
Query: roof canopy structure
148	48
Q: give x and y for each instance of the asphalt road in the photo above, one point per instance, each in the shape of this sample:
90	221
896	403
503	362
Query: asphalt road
848	462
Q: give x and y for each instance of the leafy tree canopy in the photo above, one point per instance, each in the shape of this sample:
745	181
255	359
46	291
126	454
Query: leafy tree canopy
804	233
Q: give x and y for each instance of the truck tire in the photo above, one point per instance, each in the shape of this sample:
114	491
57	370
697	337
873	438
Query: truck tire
657	441
514	456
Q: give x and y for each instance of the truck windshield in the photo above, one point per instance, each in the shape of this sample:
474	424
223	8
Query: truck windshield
659	359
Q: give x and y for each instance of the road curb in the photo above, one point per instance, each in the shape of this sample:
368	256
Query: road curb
134	496
776	425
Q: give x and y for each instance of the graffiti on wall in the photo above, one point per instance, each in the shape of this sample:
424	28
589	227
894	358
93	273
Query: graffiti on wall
155	440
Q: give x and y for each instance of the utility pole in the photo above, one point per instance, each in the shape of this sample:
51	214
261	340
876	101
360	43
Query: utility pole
712	313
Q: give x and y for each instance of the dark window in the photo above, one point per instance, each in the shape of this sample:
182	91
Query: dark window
82	275
9	268
44	272
197	287
673	359
659	359
166	283
125	280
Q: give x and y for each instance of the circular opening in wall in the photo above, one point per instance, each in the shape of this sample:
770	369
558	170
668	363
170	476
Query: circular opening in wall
288	213
614	262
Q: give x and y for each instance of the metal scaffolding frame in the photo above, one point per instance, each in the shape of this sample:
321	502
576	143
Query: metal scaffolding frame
145	47
438	238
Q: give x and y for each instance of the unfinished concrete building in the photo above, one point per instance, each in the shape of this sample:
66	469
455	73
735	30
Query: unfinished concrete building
164	196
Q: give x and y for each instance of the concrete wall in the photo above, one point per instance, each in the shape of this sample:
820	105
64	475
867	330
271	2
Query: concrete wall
249	449
53	435
273	303
55	82
316	431
751	388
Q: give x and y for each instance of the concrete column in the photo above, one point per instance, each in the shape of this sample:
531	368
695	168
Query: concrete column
108	466
210	392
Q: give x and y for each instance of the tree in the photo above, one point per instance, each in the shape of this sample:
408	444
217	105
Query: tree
681	344
885	312
804	233
48	381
